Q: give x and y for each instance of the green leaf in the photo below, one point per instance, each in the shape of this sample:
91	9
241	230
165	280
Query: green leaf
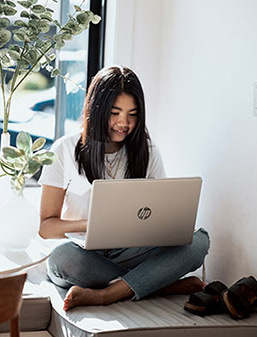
46	17
72	26
9	11
20	23
25	14
60	44
50	154
24	142
38	144
14	47
15	56
26	4
4	56
43	26
57	37
24	64
90	15
11	152
82	18
17	166
66	36
39	43
31	56
10	3
38	9
57	24
45	157
80	29
5	36
34	17
33	166
32	37
47	161
21	36
33	29
4	22
49	10
78	9
96	19
55	72
52	57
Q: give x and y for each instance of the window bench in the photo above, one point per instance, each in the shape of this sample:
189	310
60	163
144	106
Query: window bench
154	316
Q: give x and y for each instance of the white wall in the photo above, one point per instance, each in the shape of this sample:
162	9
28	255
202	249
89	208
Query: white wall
133	40
197	60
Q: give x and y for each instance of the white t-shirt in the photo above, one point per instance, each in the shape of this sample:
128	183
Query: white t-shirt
63	173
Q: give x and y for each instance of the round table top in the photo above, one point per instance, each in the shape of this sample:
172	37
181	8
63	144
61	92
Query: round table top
14	261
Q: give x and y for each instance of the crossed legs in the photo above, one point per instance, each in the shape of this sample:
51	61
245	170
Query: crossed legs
89	273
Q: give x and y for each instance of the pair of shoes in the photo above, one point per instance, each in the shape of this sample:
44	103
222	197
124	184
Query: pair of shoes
208	301
241	298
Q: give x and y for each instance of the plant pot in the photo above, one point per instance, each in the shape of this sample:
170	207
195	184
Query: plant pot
19	223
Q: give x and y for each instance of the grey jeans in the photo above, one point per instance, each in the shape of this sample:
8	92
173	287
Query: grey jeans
144	269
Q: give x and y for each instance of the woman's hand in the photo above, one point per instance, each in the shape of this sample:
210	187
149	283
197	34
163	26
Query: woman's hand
51	226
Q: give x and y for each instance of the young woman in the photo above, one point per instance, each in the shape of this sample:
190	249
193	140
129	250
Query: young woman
114	144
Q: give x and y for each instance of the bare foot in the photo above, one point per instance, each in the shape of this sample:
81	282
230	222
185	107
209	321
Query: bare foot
86	296
187	285
77	296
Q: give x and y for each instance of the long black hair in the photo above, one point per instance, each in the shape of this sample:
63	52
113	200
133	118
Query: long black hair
90	149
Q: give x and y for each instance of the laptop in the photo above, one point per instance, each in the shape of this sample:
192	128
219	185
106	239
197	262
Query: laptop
140	212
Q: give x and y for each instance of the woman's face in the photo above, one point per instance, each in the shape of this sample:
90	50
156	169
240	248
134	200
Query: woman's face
122	121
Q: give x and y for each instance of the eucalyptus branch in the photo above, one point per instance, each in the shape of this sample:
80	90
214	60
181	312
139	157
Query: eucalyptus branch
35	21
17	69
32	67
7	112
2	85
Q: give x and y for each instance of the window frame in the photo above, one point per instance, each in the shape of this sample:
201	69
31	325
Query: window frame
96	41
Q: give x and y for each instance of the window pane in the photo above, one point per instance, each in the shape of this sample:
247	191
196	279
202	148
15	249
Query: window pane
73	63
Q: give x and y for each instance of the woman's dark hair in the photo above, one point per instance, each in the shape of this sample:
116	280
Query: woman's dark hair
90	149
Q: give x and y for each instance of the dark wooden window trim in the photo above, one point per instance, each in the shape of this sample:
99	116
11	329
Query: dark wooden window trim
96	39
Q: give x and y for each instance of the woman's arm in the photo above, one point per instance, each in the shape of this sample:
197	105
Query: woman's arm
51	226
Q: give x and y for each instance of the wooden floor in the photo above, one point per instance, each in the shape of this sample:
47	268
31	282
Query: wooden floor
29	334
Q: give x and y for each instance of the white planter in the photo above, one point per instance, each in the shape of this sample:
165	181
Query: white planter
19	219
19	223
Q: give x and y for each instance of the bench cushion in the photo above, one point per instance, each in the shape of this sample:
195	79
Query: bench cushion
35	314
154	316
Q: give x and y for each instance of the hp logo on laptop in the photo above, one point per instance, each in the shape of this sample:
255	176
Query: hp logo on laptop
144	213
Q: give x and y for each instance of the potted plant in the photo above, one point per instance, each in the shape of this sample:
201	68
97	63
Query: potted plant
20	219
31	50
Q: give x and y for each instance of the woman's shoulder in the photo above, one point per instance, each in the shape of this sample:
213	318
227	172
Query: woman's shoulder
153	148
67	141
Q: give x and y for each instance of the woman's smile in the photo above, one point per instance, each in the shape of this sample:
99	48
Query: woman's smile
123	119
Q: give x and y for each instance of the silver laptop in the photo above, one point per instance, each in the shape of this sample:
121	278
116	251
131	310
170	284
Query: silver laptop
141	212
